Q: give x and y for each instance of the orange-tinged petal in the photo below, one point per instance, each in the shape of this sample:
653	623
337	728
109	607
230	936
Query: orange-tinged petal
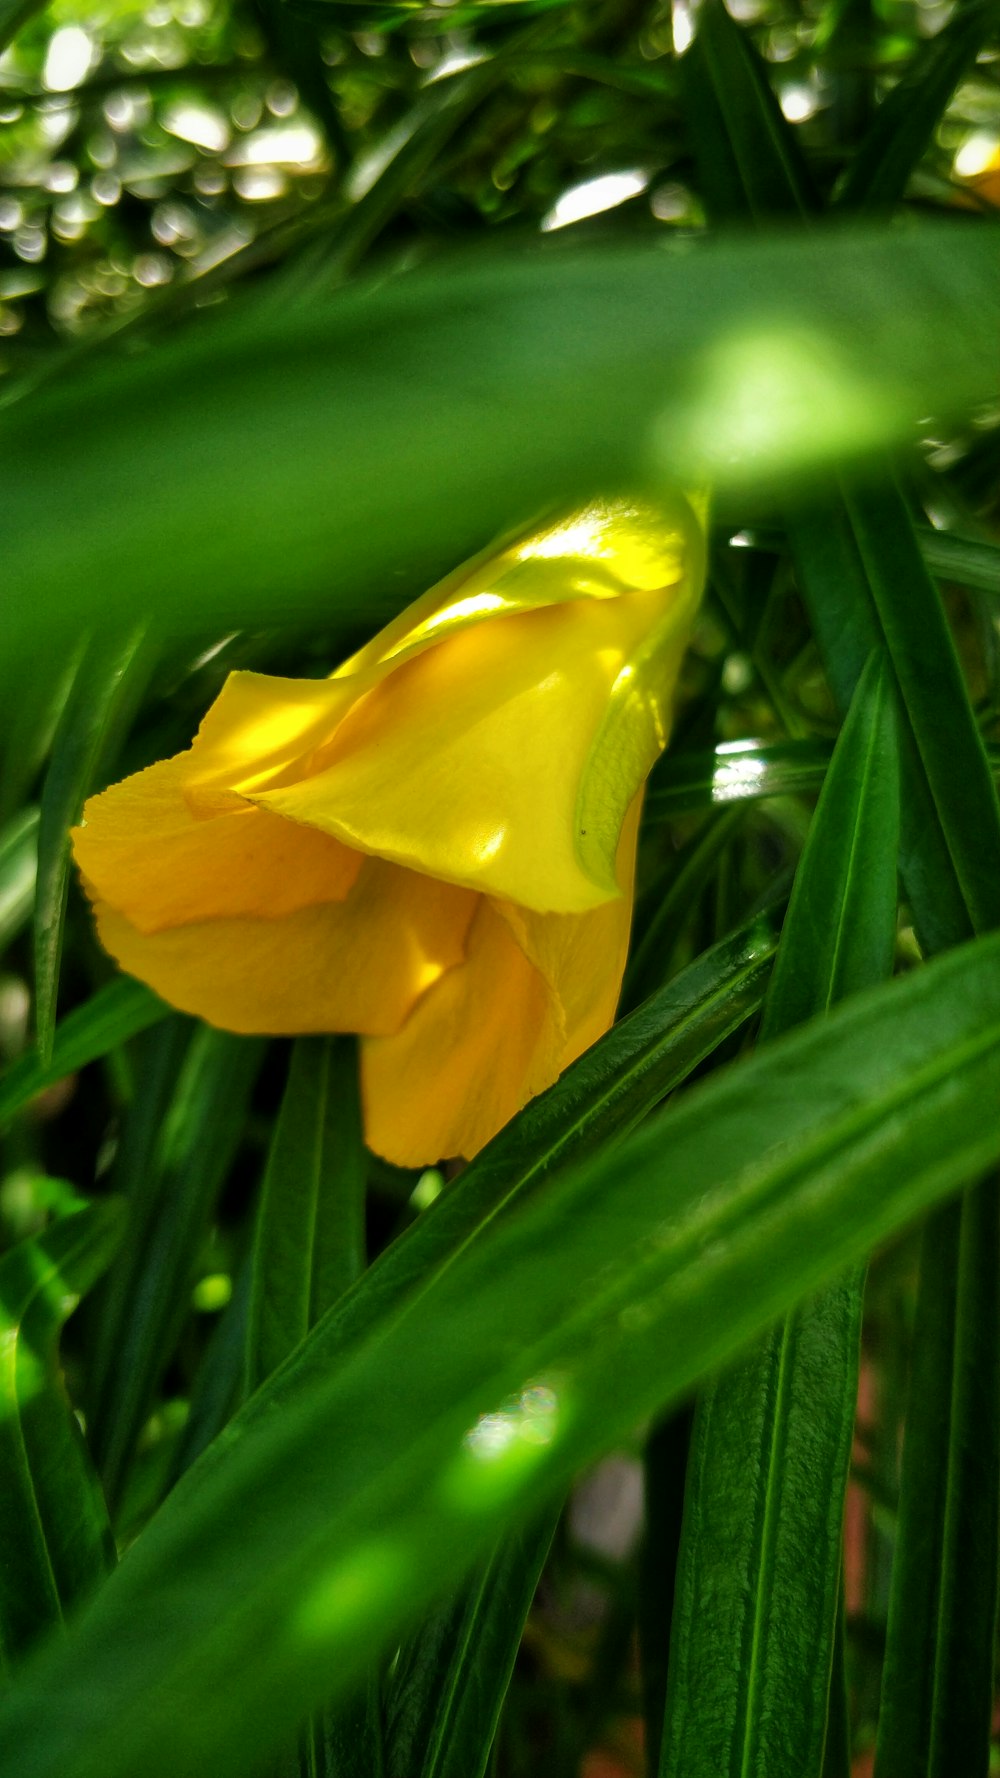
536	990
143	850
581	957
473	1051
357	965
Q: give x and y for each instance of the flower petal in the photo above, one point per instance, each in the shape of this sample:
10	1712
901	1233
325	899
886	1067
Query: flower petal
467	763
357	965
505	756
536	990
143	849
473	1051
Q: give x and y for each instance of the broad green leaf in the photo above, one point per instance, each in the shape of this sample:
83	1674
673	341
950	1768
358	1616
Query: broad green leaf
101	699
18	867
171	1184
760	1559
55	1540
609	367
347	1494
109	1018
837	1748
310	1239
905	122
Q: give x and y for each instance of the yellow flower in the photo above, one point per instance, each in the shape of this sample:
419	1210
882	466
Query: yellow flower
435	846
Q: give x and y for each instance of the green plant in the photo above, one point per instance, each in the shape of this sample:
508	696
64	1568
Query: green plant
271	1509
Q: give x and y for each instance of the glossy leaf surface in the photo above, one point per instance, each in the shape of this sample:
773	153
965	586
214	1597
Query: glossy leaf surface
55	1539
344	1495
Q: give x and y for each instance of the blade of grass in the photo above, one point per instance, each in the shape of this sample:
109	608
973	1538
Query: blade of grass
760	1558
55	1539
346	1495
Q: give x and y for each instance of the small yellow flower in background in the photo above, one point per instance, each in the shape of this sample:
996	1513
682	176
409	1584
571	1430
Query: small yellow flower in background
434	847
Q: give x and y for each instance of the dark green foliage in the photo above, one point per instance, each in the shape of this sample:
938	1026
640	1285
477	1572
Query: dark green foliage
294	315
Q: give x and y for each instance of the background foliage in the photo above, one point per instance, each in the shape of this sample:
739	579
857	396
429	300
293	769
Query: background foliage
665	1436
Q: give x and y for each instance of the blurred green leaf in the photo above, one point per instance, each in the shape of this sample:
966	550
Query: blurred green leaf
970	561
55	1540
347	1494
110	678
14	14
745	771
749	158
418	418
760	1559
908	116
109	1018
18	868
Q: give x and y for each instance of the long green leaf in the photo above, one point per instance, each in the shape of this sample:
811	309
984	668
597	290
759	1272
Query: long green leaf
55	1540
936	1691
866	585
748	157
451	1677
111	674
310	1240
905	122
393	465
170	1200
309	1247
867	588
18	866
345	1495
760	1559
745	771
109	1018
